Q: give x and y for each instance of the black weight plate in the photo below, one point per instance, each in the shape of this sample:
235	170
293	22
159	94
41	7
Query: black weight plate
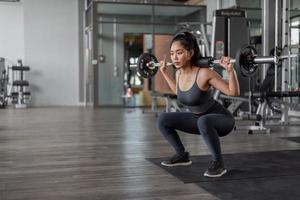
142	67
245	60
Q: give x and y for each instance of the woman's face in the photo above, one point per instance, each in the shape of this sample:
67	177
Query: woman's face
179	55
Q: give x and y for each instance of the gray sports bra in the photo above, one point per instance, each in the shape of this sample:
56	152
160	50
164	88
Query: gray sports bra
197	100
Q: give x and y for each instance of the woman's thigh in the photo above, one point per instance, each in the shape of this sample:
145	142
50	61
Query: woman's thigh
183	121
222	123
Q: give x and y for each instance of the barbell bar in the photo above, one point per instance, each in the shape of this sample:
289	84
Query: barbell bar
258	60
246	59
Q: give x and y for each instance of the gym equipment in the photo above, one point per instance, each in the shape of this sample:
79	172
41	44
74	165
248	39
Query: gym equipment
20	97
143	65
246	59
278	94
261	113
230	30
3	83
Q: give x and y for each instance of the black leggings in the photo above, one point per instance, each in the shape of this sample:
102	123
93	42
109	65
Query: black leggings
212	125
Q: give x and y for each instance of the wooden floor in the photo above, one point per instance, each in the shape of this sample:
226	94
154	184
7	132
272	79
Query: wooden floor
84	153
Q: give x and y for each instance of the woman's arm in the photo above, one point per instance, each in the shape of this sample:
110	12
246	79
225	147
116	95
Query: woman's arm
230	88
170	80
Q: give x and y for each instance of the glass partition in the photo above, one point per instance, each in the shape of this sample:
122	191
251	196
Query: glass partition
126	30
295	46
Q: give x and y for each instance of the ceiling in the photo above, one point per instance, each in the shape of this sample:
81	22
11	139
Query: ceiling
169	2
143	9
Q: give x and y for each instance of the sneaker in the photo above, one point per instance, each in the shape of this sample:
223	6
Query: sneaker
177	160
216	169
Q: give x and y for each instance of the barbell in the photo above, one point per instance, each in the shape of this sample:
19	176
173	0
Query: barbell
246	59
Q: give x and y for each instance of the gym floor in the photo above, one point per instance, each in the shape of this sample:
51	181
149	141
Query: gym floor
86	153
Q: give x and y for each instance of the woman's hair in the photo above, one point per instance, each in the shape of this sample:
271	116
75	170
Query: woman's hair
189	42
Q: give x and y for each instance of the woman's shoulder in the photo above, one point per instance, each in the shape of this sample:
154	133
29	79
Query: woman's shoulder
205	70
205	73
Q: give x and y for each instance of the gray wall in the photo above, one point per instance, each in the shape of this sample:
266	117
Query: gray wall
11	31
51	35
46	35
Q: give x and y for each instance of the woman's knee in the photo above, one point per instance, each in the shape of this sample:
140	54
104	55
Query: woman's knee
230	124
203	123
163	120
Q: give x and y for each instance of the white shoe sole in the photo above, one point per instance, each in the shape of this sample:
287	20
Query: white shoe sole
177	164
217	175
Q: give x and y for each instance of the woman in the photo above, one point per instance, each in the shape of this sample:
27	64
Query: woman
194	88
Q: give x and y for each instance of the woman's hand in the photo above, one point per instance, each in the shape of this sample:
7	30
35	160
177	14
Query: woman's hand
170	80
225	63
163	66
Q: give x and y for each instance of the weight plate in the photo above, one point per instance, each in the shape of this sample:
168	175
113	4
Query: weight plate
142	67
